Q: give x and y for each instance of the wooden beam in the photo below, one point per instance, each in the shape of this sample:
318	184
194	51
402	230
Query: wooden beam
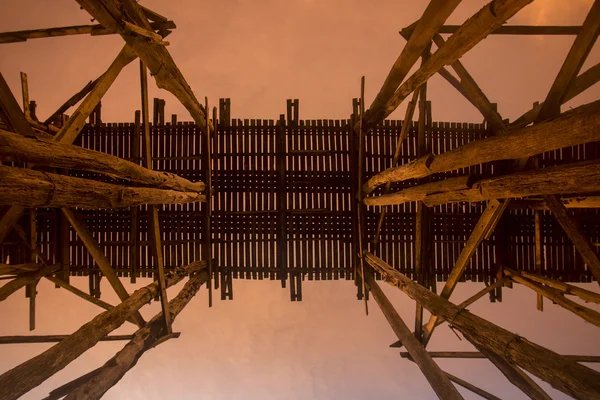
464	384
433	17
565	288
568	178
465	304
485	225
538	254
69	131
73	100
590	201
470	33
83	295
587	314
52	339
23	280
94	30
156	57
563	374
420	192
578	86
572	65
515	375
406	125
98	255
521	30
29	188
143	340
477	354
577	126
14	147
153	220
21	379
466	86
436	377
572	228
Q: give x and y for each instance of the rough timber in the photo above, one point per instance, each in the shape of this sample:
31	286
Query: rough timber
292	199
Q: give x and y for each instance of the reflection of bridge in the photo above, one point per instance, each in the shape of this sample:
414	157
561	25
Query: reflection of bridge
298	200
307	232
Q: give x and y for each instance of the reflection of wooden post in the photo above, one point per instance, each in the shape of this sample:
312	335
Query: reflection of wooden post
281	199
538	255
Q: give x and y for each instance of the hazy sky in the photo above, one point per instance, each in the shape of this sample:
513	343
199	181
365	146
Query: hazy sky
259	53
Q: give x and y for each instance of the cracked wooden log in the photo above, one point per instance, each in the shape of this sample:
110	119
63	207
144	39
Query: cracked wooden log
573	178
143	340
563	374
14	147
24	280
433	18
29	188
21	379
420	192
577	126
475	29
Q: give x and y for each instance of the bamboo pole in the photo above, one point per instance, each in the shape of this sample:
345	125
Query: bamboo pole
23	378
143	340
565	375
14	147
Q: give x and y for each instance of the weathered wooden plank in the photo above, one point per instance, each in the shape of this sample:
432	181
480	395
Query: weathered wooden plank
21	379
564	374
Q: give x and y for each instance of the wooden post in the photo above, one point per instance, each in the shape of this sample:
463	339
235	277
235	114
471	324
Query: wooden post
436	377
565	375
21	379
208	206
360	207
153	219
32	287
280	141
98	255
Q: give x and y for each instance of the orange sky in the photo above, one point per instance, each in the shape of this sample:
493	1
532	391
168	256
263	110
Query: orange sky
260	53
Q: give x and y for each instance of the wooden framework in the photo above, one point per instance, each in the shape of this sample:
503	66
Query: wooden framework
302	186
